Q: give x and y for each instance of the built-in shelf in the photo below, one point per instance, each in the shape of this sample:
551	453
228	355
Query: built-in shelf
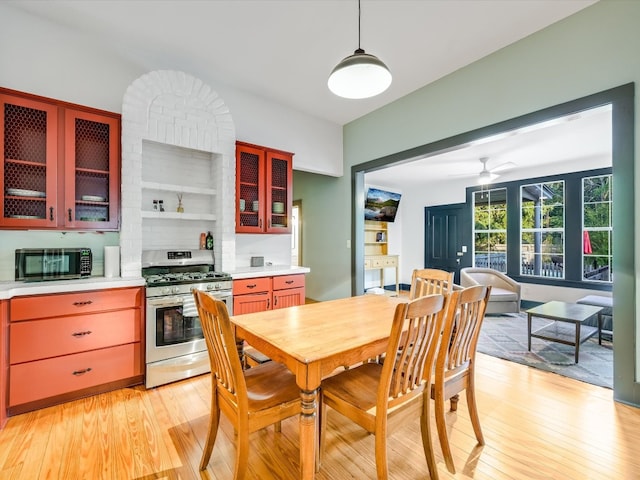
178	216
167	187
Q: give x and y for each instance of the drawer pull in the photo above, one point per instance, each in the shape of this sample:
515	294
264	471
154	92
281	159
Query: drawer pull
82	304
81	334
288	282
253	285
82	372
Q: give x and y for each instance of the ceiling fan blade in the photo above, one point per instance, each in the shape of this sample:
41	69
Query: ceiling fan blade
502	167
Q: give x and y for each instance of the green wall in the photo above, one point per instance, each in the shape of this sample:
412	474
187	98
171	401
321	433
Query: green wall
589	52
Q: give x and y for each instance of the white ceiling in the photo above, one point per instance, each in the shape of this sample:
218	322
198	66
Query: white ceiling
284	50
578	142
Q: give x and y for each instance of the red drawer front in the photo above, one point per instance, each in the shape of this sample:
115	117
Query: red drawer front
251	285
288	281
44	306
55	376
38	339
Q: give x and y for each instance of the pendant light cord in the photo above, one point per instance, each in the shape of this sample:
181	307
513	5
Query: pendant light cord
359	14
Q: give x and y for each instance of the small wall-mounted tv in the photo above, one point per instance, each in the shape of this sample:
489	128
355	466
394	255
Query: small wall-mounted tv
381	205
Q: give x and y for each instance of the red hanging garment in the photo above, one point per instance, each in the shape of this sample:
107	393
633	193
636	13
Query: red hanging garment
586	243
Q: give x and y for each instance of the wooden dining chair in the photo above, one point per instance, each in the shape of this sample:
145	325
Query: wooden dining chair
455	366
380	396
251	399
430	280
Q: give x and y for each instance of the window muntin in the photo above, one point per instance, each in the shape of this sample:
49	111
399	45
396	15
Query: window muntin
597	229
542	229
490	229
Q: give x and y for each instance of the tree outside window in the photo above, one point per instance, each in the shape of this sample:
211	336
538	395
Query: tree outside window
490	229
597	228
542	229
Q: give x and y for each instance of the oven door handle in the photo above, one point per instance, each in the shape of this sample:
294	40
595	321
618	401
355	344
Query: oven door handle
165	301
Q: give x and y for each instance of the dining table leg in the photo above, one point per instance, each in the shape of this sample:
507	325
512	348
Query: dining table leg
308	433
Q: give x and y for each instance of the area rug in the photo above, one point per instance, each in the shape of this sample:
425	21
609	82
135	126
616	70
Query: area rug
505	336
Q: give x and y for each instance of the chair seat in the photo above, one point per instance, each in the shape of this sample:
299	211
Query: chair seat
270	384
502	295
357	386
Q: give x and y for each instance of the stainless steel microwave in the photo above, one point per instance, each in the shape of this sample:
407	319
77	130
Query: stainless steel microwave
40	264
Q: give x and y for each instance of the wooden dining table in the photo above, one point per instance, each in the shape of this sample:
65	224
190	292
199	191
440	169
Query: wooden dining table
313	340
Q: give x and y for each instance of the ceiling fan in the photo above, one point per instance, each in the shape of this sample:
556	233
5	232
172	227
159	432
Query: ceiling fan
486	176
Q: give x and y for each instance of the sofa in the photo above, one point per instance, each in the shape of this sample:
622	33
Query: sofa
505	292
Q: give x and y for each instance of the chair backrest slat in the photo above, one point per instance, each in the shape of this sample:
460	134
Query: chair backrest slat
429	281
462	328
413	344
226	367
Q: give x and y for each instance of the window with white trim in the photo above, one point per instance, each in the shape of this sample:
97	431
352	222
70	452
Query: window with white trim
490	229
597	229
542	232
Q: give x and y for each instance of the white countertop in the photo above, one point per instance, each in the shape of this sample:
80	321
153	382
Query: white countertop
266	271
10	289
15	289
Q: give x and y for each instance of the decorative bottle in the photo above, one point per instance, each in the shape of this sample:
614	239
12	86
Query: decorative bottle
209	241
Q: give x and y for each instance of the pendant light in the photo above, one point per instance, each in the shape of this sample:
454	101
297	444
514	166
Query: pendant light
360	75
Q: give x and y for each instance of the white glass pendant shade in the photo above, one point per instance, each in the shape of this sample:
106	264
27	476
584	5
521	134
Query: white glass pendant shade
360	75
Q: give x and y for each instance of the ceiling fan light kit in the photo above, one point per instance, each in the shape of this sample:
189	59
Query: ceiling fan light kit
360	75
484	177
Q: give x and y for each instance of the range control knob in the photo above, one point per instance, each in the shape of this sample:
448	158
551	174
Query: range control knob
175	289
166	290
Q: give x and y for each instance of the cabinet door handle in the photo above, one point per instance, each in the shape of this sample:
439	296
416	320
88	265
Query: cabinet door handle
288	282
81	334
268	303
275	301
77	373
51	213
70	215
82	304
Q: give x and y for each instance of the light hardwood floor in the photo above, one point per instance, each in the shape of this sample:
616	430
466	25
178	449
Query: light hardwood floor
537	425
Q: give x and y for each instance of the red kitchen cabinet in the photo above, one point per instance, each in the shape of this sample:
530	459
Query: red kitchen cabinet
68	345
251	295
263	189
60	164
4	361
288	291
267	293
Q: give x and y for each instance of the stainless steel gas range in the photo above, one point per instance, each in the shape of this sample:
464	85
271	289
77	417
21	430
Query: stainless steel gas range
175	345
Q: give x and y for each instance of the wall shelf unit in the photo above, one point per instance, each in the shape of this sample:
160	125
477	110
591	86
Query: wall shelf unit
376	250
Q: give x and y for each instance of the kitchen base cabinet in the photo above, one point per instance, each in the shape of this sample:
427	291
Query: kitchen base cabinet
55	376
70	345
267	293
4	361
251	295
288	291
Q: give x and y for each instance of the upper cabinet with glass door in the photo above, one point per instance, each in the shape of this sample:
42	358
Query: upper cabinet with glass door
92	180
60	165
263	189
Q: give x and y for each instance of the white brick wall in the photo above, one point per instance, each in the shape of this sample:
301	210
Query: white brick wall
189	124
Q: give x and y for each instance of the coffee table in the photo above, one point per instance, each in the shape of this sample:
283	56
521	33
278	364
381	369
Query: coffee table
562	312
